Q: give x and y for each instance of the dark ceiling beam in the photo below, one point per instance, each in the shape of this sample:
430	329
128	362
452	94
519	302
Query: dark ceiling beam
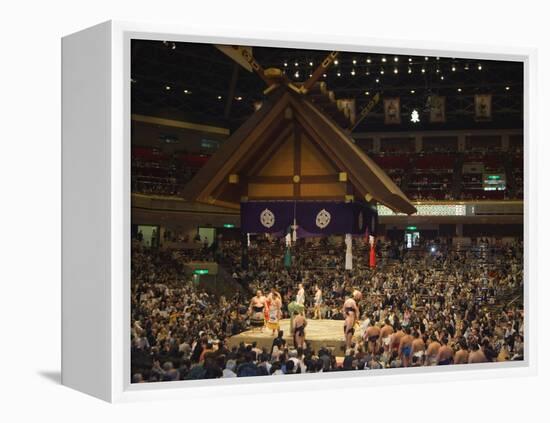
231	91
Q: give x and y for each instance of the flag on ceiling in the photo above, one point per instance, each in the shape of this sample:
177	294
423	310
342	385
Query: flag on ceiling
437	109
392	111
483	107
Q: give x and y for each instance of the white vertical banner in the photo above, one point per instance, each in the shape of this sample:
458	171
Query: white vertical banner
349	253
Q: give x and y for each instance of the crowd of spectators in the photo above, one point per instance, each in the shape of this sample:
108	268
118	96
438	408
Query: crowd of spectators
466	300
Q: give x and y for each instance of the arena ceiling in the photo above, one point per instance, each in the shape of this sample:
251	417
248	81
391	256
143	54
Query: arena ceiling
193	82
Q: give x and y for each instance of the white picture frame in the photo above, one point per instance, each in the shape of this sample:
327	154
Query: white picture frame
96	212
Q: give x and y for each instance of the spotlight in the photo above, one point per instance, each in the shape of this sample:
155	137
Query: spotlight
352	72
507	88
336	62
285	64
410	59
396	59
459	90
432	249
296	74
219	97
367	93
168	88
377	80
239	98
369	60
381	71
310	63
442	77
453	68
466	67
295	63
413	91
410	70
186	91
437	70
324	75
426	59
423	70
384	59
395	70
367	72
354	61
338	74
479	67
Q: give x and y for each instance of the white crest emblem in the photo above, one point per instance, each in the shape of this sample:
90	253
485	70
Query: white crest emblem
267	218
323	219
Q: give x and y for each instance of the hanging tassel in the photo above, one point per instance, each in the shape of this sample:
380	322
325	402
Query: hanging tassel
294	235
372	257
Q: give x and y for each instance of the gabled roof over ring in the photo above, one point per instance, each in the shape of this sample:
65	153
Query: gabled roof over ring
264	132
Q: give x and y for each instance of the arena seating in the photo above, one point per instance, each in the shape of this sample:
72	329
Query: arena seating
434	175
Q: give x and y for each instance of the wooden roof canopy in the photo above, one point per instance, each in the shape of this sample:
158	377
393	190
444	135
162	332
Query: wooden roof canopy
294	148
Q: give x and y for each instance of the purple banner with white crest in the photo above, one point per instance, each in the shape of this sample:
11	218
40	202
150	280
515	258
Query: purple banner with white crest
313	218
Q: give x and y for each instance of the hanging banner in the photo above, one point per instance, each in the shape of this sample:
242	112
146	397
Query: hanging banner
313	218
349	253
483	107
437	109
392	111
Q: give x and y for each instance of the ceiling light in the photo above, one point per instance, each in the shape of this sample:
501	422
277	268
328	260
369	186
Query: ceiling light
410	70
381	71
507	88
368	60
168	88
336	62
354	61
423	70
459	90
285	64
219	97
367	93
479	67
377	80
310	63
383	59
338	74
413	91
352	72
410	59
395	70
